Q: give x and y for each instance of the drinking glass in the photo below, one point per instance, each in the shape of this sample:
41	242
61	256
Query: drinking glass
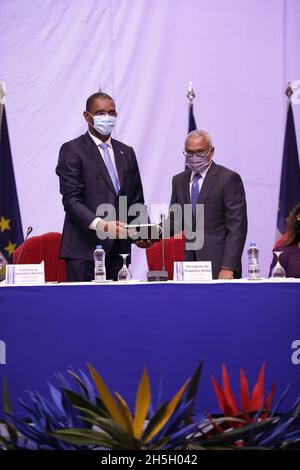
278	271
124	274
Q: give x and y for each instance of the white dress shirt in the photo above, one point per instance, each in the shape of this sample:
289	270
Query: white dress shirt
93	225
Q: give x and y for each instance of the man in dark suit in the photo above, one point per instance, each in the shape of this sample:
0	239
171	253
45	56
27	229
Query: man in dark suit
95	169
222	195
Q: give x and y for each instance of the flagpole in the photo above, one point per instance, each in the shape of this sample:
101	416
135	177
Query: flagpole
289	92
2	100
191	94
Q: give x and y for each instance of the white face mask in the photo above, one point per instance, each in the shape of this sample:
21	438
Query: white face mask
104	124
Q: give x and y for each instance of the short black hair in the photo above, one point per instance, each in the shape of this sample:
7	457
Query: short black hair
94	96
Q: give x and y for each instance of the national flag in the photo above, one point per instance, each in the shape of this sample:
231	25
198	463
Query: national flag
289	195
11	234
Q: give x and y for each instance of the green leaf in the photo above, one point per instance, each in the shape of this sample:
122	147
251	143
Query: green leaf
297	411
237	434
4	443
83	437
194	383
227	420
100	403
192	390
80	382
114	430
154	421
6	402
159	445
13	435
194	446
78	401
217	421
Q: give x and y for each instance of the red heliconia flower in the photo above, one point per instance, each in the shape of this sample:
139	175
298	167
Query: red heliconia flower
249	403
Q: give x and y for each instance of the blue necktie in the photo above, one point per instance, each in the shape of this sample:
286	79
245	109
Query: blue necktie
110	167
195	192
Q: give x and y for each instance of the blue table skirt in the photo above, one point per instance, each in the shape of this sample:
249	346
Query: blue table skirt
166	327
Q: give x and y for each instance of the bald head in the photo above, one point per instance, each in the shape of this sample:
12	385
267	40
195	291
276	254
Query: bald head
199	142
199	134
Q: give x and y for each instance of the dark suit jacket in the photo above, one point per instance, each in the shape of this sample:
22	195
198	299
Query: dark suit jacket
85	184
225	216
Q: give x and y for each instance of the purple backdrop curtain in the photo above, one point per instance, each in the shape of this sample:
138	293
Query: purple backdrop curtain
239	55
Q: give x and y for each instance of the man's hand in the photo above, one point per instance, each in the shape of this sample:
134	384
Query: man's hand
144	243
114	228
226	274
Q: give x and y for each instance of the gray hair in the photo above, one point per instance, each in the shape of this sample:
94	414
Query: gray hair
199	133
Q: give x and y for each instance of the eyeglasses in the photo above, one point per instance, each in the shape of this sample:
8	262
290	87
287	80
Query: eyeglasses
203	153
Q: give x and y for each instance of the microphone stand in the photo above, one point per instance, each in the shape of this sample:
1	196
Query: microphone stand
29	230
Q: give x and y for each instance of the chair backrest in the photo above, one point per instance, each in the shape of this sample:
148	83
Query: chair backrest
174	251
45	248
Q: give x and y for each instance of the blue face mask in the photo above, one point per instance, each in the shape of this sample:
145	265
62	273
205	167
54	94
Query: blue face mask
104	124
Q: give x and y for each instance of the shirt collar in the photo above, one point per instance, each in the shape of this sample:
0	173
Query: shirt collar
202	173
99	141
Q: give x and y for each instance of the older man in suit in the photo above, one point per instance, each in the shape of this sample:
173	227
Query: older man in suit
222	195
95	169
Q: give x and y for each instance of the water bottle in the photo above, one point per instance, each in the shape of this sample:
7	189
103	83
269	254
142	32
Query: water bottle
99	259
253	262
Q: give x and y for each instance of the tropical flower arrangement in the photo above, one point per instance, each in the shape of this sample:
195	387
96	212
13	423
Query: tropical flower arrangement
82	413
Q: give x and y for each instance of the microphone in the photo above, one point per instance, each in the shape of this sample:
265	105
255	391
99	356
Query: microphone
162	275
29	230
163	218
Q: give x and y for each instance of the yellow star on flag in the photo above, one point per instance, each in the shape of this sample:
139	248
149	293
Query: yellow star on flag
4	224
10	248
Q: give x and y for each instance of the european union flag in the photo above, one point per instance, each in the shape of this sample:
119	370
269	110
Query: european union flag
11	234
289	195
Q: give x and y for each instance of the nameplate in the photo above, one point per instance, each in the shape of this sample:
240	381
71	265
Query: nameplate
25	274
192	271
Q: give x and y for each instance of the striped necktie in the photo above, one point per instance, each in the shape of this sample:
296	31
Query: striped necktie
195	192
110	167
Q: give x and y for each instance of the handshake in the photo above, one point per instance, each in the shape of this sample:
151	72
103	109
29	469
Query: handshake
116	229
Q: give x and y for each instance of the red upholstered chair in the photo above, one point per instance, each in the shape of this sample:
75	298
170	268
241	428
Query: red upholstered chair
174	251
45	248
